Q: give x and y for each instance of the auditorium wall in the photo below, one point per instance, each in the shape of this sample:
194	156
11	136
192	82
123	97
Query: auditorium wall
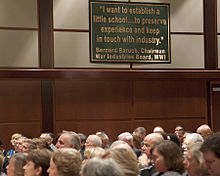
48	83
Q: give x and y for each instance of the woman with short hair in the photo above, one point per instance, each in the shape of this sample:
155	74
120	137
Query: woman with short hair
16	164
167	158
38	161
65	162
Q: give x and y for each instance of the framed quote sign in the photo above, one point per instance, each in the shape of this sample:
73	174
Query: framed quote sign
129	32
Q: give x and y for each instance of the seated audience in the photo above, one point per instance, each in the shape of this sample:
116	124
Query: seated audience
179	128
1	164
49	137
82	145
92	152
174	138
194	162
65	162
41	143
101	167
126	159
68	139
167	158
191	139
16	164
204	131
14	139
180	135
141	132
158	129
93	141
28	145
128	138
104	137
38	161
211	153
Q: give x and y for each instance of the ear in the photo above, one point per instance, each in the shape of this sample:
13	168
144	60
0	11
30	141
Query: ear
39	170
72	146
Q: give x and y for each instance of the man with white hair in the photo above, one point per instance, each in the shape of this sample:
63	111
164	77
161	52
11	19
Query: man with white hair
93	141
128	138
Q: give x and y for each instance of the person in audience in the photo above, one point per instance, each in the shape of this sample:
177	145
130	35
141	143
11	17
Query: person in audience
126	159
158	129
204	131
68	139
82	146
141	132
211	153
149	142
194	162
191	139
18	144
179	128
1	164
38	161
137	142
65	162
28	145
41	143
16	164
167	158
93	141
180	134
49	137
92	152
101	167
14	139
174	138
128	138
104	137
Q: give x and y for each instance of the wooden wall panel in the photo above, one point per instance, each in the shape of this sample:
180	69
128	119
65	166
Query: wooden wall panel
112	128
20	108
170	124
170	99
92	99
28	129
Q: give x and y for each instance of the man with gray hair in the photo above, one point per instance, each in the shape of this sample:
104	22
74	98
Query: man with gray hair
93	141
69	139
101	167
128	138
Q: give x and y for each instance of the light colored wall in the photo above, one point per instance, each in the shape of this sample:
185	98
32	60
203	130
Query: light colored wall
187	51
18	48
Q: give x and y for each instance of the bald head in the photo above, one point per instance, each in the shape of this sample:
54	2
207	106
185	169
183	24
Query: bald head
149	142
204	131
158	129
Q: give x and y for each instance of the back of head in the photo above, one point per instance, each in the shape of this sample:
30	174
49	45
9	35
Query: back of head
126	159
158	129
40	158
92	152
94	140
68	161
19	160
126	137
212	143
101	167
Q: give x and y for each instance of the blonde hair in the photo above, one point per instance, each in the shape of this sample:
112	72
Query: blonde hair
126	159
92	152
68	161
